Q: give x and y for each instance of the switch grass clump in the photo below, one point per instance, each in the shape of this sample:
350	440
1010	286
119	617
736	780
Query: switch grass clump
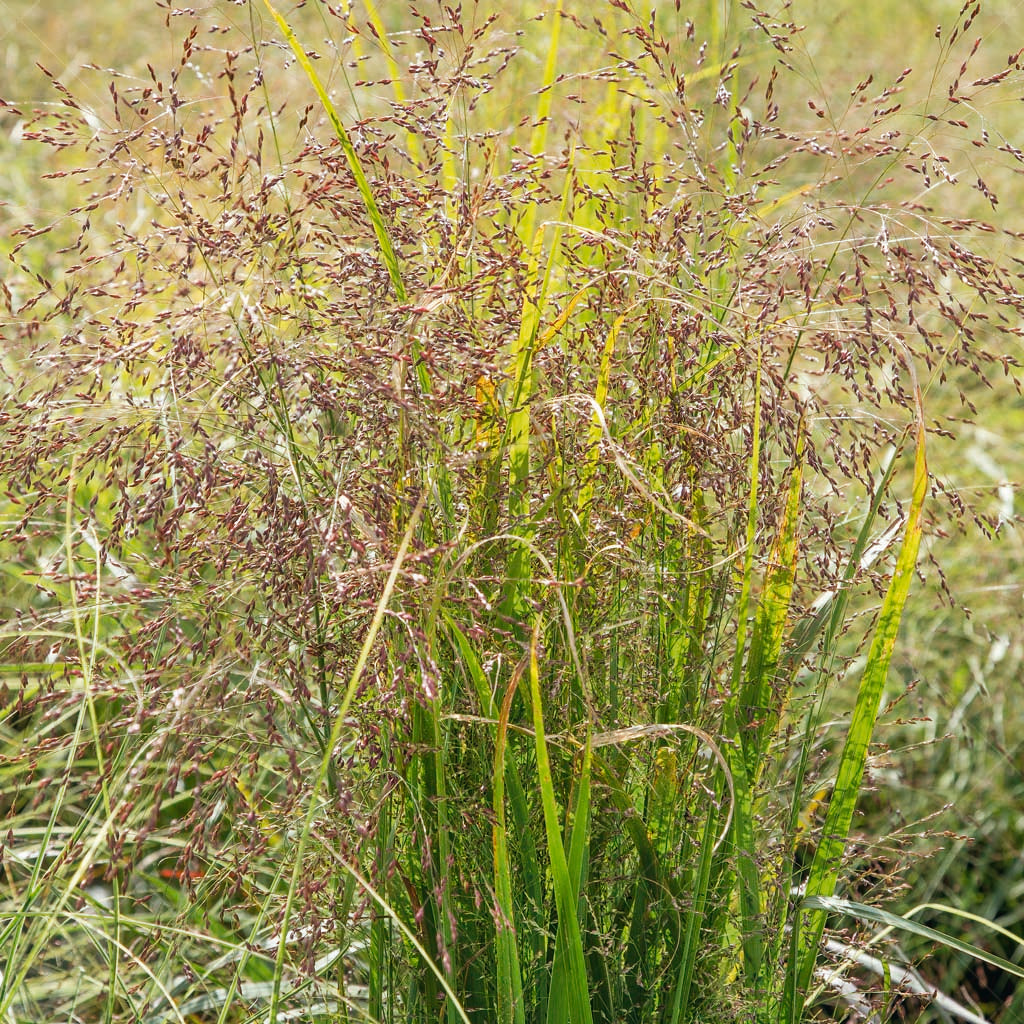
463	481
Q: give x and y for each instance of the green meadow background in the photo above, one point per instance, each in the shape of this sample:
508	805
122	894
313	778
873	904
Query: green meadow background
511	513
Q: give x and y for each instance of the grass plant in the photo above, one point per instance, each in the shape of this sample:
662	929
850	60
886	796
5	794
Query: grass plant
465	477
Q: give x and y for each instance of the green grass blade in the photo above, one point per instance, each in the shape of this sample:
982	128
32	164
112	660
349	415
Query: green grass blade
510	1008
694	918
529	858
827	858
519	458
566	895
473	667
561	983
746	867
749	540
518	438
826	620
743	824
380	229
409	934
436	804
829	611
596	431
832	905
412	143
540	131
542	115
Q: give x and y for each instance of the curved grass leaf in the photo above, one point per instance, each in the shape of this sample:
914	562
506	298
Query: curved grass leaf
833	905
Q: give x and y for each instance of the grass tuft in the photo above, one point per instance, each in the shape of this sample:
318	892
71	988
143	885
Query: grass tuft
468	532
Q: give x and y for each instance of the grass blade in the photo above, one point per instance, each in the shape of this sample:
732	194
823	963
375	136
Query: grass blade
380	229
863	912
409	934
743	824
827	858
760	703
510	1009
566	895
561	982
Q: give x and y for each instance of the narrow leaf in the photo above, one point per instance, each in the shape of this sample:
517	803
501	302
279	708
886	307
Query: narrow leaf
828	857
830	904
565	891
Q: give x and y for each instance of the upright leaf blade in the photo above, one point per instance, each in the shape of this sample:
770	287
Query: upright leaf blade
825	867
510	1009
380	229
760	699
565	889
